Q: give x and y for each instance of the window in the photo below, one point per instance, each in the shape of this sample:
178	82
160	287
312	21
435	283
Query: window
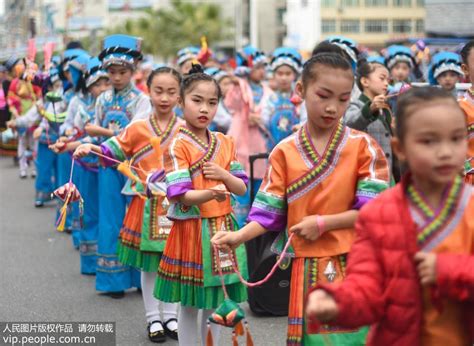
350	26
350	3
420	3
402	3
376	25
420	25
328	3
402	25
376	3
328	25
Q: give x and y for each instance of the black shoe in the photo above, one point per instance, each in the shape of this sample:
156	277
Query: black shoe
139	290
68	230
159	336
115	295
173	334
39	204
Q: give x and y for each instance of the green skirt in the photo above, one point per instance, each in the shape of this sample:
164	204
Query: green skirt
143	235
189	271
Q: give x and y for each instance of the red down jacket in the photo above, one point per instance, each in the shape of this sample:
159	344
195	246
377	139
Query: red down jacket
382	286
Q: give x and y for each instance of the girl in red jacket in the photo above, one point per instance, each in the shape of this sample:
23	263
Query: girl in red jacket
410	273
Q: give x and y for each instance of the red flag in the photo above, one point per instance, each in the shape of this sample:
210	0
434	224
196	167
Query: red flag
48	50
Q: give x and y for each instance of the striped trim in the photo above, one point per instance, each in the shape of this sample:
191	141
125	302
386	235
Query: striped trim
166	134
115	150
372	151
270	202
177	262
323	166
177	177
437	225
370	188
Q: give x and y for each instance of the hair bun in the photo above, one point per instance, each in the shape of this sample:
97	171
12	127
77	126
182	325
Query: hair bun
361	61
196	68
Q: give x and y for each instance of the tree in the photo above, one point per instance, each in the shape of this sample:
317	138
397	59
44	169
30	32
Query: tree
167	30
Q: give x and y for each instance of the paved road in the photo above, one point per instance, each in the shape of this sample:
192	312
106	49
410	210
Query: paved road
40	279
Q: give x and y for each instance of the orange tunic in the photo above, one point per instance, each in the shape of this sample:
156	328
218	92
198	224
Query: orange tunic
134	144
300	182
189	271
184	161
450	230
467	104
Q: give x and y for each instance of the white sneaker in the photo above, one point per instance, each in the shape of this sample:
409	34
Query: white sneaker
33	174
23	175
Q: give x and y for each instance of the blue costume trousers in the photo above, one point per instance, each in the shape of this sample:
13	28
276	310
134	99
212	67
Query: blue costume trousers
88	185
46	179
111	275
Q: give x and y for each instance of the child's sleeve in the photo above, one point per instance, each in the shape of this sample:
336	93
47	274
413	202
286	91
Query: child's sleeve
71	112
233	99
269	208
455	276
143	108
358	115
119	147
99	110
360	296
373	174
268	109
178	178
236	169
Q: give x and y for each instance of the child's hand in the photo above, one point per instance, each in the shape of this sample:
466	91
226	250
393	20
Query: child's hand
57	147
307	228
426	267
226	240
321	306
378	103
83	150
219	196
11	124
214	172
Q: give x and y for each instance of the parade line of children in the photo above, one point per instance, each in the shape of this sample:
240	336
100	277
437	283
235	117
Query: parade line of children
368	181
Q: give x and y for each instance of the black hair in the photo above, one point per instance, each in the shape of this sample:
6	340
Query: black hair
74	45
417	96
466	50
332	60
196	75
161	70
81	85
365	69
328	47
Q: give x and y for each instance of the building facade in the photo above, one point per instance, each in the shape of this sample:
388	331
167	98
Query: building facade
450	18
370	22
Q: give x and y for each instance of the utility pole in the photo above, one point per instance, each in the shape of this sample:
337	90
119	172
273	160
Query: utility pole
254	23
